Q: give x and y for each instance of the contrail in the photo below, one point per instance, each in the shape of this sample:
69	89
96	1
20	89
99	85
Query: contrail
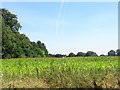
58	18
62	24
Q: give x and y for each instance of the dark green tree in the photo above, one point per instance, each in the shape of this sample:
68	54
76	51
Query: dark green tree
10	20
80	54
71	55
91	53
16	45
102	55
111	53
118	52
43	47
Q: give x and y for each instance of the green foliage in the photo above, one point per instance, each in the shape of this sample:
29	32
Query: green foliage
81	54
71	55
10	20
69	72
102	55
57	55
16	45
118	52
111	53
91	53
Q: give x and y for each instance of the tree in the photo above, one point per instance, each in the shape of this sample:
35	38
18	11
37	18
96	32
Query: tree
118	52
43	47
102	55
60	55
16	45
71	54
10	20
80	54
111	53
8	44
91	53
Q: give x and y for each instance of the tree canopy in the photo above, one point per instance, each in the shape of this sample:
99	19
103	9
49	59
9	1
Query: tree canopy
81	54
91	53
71	54
10	20
111	53
118	52
16	45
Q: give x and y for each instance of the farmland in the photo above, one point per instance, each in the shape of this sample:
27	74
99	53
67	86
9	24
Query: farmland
71	72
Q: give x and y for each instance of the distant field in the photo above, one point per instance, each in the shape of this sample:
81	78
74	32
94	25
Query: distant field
75	72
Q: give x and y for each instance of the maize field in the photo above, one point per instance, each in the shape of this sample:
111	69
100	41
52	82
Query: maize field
69	72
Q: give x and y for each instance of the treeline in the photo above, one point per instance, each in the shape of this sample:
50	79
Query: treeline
16	45
89	53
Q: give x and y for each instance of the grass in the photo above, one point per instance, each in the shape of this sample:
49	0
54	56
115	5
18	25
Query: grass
75	72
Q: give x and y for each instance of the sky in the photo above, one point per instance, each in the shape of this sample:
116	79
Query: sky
67	27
